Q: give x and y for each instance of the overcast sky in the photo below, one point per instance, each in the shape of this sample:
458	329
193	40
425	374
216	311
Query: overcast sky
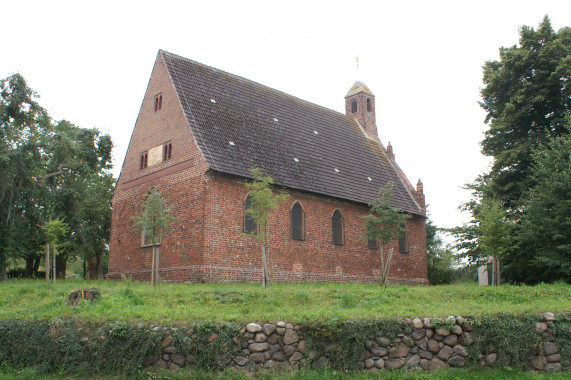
91	62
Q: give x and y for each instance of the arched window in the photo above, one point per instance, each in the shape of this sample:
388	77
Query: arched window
160	101
249	223
353	106
170	151
297	222
403	242
338	228
167	151
156	104
369	105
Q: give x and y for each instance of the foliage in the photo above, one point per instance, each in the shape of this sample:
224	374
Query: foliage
295	302
512	338
45	167
441	260
263	201
384	224
526	96
154	220
546	223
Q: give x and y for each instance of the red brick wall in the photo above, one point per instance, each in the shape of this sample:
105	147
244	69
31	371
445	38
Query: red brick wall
231	256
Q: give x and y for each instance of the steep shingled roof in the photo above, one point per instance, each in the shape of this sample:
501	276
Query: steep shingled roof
239	124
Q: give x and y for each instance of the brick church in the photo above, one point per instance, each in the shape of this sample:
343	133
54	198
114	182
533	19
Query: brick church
198	134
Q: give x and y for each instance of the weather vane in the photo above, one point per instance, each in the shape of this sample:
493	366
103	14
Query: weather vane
357	62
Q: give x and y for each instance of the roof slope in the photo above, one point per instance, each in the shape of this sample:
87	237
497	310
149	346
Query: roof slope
239	124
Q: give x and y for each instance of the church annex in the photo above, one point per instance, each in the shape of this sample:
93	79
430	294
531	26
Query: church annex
198	134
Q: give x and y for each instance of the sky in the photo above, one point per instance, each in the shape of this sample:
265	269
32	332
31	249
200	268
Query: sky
91	62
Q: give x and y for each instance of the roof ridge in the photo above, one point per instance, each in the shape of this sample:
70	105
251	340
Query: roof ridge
255	82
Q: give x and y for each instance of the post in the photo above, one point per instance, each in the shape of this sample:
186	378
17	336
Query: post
54	266
47	263
157	266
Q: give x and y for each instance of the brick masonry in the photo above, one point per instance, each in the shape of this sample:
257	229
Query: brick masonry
206	244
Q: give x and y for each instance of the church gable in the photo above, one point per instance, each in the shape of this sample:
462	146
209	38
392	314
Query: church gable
161	142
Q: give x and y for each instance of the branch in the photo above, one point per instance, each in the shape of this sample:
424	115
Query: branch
60	170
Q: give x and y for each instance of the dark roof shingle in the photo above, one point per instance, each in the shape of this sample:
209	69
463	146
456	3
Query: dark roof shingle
239	124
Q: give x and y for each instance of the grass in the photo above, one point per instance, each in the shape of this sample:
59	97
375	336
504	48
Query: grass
295	302
450	374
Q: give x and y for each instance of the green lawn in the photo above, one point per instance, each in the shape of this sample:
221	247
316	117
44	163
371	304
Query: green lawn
451	374
295	302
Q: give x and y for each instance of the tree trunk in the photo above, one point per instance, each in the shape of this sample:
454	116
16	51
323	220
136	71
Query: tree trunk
37	261
153	268
61	266
157	266
84	266
99	266
54	264
264	267
29	271
3	274
47	262
92	268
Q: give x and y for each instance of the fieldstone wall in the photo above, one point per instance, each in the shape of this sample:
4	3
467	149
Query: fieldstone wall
425	344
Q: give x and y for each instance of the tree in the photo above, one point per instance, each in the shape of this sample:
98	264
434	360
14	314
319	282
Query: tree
546	224
384	224
23	126
154	221
495	234
526	96
44	170
54	230
440	259
263	201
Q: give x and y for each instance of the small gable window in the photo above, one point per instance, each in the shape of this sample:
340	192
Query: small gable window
146	239
353	106
369	106
167	151
372	244
249	223
158	102
338	228
403	242
144	161
297	222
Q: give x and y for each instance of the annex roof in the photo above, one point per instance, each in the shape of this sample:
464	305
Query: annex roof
239	124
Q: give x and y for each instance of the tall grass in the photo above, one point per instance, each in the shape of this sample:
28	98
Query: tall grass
295	302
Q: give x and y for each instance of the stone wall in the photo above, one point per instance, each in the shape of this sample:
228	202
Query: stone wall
423	344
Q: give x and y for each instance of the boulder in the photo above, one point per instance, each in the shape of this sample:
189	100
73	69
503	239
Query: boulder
417	323
451	340
401	351
412	361
290	337
445	353
436	364
241	360
456	361
258	347
258	357
253	327
297	356
269	328
549	349
395	363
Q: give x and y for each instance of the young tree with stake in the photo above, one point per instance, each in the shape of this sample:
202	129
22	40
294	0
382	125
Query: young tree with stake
154	220
384	224
263	201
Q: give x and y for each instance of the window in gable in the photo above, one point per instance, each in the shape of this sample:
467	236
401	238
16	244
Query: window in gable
353	106
338	228
167	151
144	161
403	242
158	102
369	106
146	239
249	223
372	244
297	222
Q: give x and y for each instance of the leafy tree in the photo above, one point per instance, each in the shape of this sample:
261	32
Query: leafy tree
23	126
384	224
263	201
44	170
441	260
154	221
546	225
495	234
526	96
54	230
